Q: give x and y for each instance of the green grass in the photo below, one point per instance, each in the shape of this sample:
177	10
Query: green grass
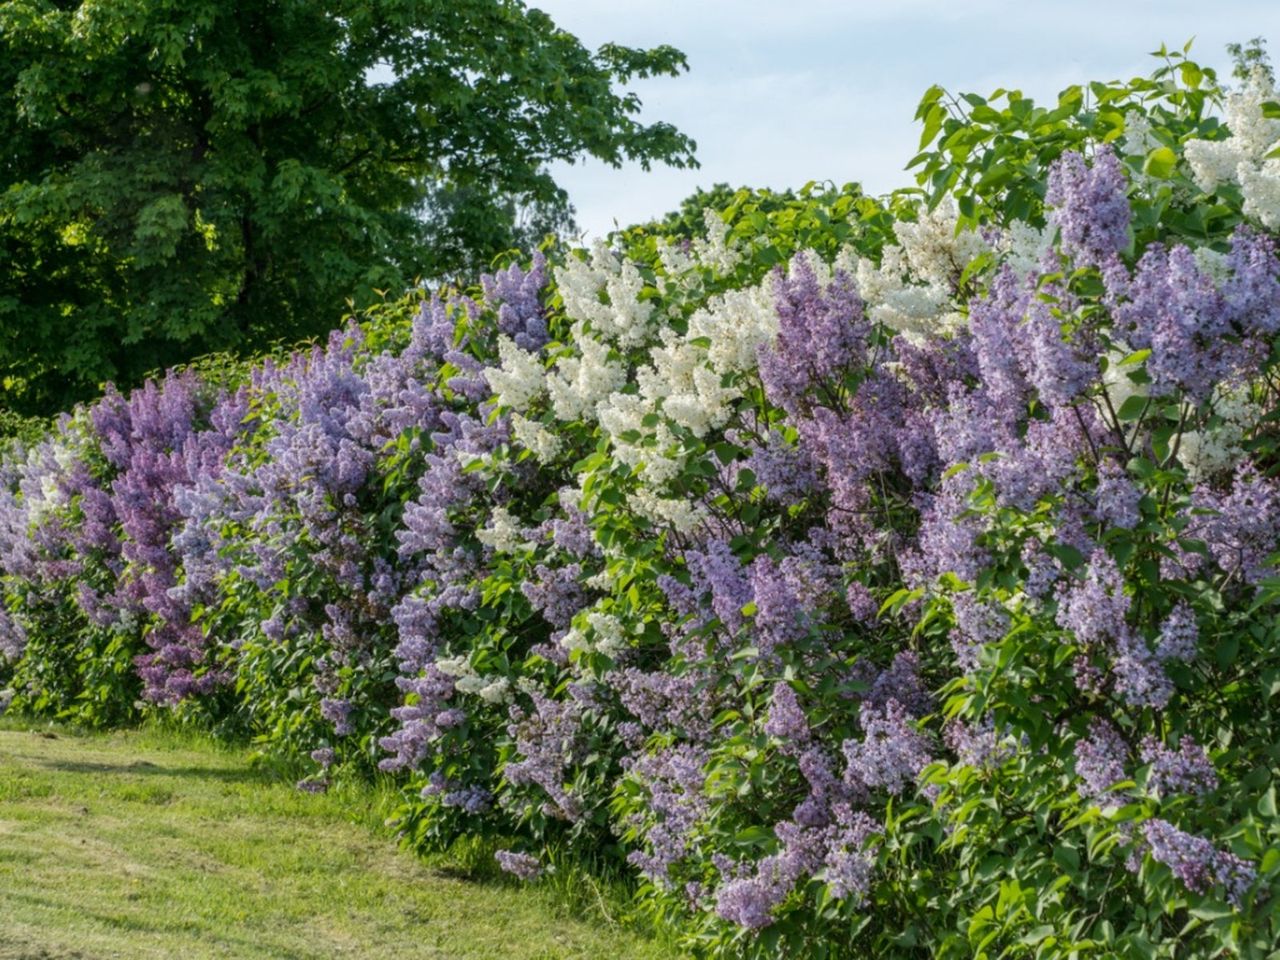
150	844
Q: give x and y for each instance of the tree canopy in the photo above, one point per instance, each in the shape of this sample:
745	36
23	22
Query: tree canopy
186	176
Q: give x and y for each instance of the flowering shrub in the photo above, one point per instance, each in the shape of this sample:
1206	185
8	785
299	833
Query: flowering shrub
887	576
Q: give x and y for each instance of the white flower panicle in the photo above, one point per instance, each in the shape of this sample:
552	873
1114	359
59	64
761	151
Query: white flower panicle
634	443
520	378
715	251
602	634
935	251
620	316
1260	187
911	289
579	383
1221	446
489	689
536	438
503	532
735	324
683	515
456	666
1022	246
1138	140
1242	157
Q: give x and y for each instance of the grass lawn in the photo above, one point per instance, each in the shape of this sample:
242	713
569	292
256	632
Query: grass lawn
145	844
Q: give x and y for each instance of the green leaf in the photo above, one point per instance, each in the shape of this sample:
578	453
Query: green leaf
1267	803
1160	163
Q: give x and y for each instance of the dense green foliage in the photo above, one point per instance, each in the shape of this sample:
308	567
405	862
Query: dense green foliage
179	178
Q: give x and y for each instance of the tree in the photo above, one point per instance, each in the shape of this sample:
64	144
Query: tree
186	176
1246	58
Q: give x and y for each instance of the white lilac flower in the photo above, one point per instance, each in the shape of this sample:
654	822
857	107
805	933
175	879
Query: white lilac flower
578	384
503	532
684	515
734	325
620	315
519	380
1242	157
537	439
715	251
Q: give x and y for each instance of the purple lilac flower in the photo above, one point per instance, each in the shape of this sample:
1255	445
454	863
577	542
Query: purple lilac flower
1197	863
821	332
556	593
573	534
978	623
325	756
849	864
1186	768
517	297
473	800
545	743
1252	292
1042	572
749	901
978	745
1060	371
673	778
786	719
999	344
1179	635
1140	677
1172	307
1095	609
717	570
891	753
13	638
949	536
419	720
862	602
1089	205
661	700
787	472
1100	759
1117	498
780	619
899	682
1242	527
338	712
522	865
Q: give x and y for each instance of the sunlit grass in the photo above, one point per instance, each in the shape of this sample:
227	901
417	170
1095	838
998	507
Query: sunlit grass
160	844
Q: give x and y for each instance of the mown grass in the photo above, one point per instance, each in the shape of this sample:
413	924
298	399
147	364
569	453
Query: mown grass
155	844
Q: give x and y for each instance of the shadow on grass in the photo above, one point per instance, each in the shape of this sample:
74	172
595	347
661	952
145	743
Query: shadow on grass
143	768
101	921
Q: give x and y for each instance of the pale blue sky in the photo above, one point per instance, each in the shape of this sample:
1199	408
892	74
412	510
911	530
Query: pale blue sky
784	91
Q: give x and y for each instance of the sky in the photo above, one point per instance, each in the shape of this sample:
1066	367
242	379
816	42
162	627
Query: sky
780	92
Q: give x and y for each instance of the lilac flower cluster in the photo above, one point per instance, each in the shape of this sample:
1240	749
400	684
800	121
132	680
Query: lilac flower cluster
891	753
1101	758
522	865
822	332
1196	862
1186	768
1089	205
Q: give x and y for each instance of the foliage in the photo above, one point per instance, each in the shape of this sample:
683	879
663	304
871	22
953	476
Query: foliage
195	177
886	577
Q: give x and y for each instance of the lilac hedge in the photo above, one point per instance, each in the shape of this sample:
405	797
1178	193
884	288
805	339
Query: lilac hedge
859	575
